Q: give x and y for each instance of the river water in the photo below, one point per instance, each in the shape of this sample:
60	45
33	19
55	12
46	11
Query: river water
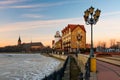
26	66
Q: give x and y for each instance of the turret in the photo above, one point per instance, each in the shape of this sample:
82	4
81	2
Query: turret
57	36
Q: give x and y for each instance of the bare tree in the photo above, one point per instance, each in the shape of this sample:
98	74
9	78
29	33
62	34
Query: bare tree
104	45
112	43
99	44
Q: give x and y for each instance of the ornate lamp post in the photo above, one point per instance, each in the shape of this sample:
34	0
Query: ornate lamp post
91	17
79	38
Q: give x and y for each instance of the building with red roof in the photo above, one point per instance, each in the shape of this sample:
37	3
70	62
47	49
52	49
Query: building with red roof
70	41
73	38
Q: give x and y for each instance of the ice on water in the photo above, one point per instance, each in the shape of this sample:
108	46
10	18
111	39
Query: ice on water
26	66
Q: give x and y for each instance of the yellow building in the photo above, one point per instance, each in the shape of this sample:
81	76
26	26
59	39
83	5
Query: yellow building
58	44
73	37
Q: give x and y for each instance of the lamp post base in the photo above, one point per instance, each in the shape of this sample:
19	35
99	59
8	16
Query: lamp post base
93	64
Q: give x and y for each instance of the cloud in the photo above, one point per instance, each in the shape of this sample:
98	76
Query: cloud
27	6
32	16
35	24
6	2
111	13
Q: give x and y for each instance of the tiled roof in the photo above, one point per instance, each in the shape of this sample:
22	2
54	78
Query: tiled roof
73	26
37	44
33	44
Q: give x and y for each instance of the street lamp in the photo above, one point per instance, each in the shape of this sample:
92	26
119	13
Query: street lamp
91	17
79	38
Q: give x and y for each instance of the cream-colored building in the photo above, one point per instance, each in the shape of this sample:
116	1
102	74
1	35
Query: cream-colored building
57	42
73	37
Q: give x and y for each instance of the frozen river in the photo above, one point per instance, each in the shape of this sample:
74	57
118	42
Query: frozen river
26	66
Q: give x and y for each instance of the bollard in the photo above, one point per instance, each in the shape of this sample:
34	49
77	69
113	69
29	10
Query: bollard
93	64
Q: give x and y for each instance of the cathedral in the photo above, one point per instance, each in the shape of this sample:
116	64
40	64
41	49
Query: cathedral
30	47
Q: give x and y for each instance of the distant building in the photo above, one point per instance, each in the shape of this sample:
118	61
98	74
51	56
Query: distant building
57	36
88	46
115	48
118	44
58	44
32	46
53	43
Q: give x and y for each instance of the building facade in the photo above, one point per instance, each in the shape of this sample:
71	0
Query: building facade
73	38
70	41
32	47
57	43
118	45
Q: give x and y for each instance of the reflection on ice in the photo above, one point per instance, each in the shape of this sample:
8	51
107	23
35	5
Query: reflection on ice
26	66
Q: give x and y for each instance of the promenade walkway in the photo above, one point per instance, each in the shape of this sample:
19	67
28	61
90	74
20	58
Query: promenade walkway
108	68
106	71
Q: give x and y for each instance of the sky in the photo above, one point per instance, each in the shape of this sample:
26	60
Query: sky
38	20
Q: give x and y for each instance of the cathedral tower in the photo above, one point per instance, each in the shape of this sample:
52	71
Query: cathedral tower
19	41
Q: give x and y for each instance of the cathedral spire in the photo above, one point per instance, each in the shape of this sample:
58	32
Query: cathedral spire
19	41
